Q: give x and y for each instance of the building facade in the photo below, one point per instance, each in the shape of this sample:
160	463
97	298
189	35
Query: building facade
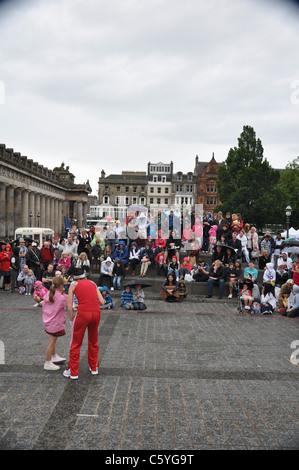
159	189
117	192
206	183
33	195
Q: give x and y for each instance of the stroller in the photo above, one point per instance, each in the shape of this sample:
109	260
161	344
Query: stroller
255	294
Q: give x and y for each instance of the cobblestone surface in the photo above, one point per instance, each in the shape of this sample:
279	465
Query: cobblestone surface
188	376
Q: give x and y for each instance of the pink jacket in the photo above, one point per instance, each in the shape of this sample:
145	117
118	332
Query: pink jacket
64	262
40	292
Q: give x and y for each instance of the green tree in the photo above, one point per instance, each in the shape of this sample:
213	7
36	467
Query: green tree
288	190
246	181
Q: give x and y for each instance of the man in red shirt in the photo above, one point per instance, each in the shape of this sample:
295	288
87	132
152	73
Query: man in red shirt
89	301
47	254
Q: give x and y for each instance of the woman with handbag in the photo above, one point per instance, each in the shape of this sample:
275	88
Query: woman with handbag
253	243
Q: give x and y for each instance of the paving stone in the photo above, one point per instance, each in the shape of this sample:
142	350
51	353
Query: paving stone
194	376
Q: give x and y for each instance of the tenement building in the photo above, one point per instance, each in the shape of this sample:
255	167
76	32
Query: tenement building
206	178
33	195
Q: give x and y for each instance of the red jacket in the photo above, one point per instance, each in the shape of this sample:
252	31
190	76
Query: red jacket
5	259
47	254
160	241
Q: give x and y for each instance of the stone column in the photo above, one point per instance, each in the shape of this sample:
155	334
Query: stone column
60	218
79	214
31	209
2	210
56	216
10	211
48	212
18	207
43	211
52	214
37	210
25	208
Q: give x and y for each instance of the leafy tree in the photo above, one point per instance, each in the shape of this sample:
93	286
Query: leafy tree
288	191
246	181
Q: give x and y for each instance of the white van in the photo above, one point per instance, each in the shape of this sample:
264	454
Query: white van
37	234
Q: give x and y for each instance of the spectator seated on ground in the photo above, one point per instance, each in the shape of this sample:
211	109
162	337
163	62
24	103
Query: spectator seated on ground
216	276
268	300
269	273
236	245
250	272
48	275
264	259
134	257
200	272
229	256
292	309
231	278
185	268
106	275
218	253
170	291
121	253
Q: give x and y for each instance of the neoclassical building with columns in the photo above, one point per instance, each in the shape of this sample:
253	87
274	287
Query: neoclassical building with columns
33	195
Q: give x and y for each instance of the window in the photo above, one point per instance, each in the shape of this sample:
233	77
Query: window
134	200
151	200
159	190
142	201
117	200
166	190
127	189
151	189
118	189
166	200
158	200
208	188
106	199
127	201
179	177
134	189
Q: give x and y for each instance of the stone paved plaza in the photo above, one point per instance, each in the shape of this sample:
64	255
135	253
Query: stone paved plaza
191	376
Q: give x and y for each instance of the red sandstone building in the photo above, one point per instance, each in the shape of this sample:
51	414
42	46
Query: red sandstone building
206	193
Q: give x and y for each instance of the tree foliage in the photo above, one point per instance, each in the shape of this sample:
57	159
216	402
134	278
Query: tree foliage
288	191
246	181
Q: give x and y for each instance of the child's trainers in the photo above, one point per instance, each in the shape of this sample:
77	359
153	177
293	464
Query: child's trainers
94	372
50	366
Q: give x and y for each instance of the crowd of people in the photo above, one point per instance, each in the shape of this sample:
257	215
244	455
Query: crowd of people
144	243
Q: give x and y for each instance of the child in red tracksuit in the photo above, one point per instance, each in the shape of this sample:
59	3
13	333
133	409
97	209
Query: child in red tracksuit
89	301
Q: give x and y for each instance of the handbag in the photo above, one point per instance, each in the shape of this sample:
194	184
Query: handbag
255	253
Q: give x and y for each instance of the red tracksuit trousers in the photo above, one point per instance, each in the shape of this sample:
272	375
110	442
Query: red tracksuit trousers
83	320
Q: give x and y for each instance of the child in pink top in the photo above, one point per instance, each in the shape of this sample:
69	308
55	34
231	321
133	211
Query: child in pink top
39	293
54	315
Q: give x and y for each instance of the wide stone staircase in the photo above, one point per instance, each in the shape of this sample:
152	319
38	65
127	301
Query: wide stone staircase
197	291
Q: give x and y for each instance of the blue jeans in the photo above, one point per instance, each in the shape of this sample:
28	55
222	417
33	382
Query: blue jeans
211	283
117	282
170	271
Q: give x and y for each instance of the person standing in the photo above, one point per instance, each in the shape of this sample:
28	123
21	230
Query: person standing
54	306
88	316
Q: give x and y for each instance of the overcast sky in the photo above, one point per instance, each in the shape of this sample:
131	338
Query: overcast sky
115	84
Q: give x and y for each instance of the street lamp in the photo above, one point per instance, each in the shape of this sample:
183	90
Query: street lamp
288	214
30	217
38	219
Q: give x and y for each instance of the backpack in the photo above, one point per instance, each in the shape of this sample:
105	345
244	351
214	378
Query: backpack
256	307
21	290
